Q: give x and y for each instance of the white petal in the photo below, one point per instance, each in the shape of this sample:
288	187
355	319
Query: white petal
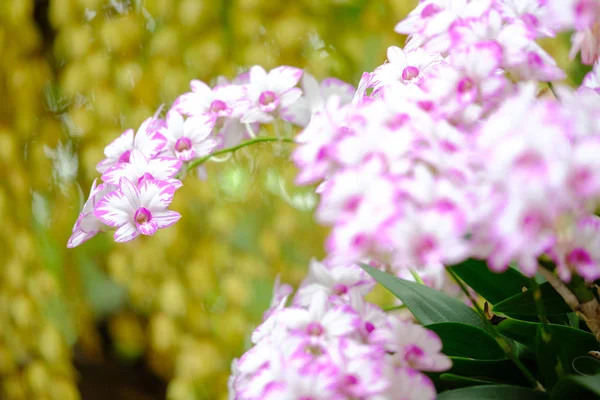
165	219
148	140
258	78
120	145
131	192
123	170
255	115
174	124
198	128
290	97
163	167
156	195
126	233
283	78
205	147
114	209
201	88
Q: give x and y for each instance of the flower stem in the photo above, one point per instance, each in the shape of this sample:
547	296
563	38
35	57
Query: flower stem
199	161
551	87
505	346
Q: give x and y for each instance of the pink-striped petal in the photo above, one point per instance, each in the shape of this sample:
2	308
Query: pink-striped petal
78	237
156	195
205	147
164	219
283	78
189	104
126	233
88	223
186	155
105	164
120	145
198	128
131	192
114	209
148	228
148	139
164	167
201	88
115	173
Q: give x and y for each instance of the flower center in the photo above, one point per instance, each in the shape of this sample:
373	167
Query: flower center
183	144
125	157
340	289
146	177
267	98
350	380
465	85
369	327
142	215
315	329
268	101
413	351
409	73
579	257
217	106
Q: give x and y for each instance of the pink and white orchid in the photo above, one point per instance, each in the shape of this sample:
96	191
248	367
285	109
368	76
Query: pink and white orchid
149	140
188	139
137	210
268	93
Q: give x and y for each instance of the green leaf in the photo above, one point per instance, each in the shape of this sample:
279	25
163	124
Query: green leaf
577	341
524	303
494	287
493	392
577	387
586	365
562	344
457	381
429	306
551	362
498	371
467	341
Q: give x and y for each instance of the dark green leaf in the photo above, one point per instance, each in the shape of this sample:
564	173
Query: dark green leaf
577	387
551	361
457	381
493	392
555	354
586	365
467	341
429	306
498	371
576	341
492	286
524	303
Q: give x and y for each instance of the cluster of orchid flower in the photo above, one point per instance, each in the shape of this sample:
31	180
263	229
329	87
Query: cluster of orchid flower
449	150
331	344
452	155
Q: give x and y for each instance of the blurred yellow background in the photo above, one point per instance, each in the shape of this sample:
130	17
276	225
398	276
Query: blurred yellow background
105	320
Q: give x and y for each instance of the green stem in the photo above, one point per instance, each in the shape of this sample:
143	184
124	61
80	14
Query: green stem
394	308
199	161
551	87
505	346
